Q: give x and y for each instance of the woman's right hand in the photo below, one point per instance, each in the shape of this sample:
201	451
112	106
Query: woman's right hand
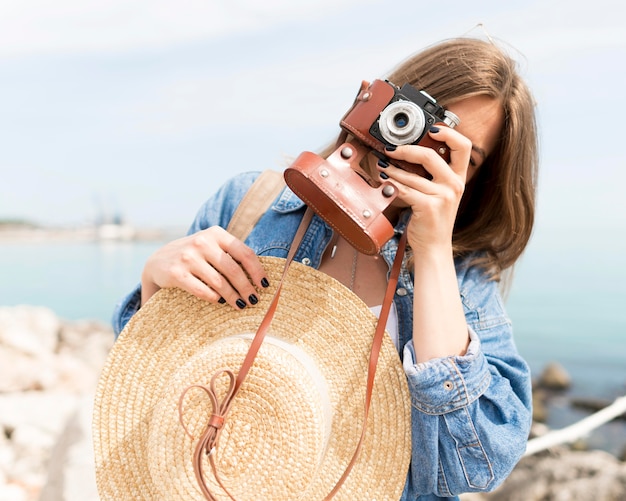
212	265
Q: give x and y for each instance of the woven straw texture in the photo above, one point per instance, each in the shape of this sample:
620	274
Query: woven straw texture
294	424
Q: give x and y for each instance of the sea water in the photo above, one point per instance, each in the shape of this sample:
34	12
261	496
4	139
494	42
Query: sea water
568	303
77	279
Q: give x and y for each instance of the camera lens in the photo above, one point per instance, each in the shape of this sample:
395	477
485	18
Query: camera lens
401	120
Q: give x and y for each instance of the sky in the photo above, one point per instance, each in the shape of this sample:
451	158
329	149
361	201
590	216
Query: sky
143	108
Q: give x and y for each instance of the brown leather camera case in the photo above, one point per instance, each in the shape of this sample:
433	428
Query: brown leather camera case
340	196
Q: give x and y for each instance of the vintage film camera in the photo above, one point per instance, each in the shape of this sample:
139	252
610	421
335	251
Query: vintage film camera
337	188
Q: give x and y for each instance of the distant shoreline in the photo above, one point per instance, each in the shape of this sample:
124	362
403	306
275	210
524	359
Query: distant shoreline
22	233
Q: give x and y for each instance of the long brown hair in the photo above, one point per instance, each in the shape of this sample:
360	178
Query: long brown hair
497	210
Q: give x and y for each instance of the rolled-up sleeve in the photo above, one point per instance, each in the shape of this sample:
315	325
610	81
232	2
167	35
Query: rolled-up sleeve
445	384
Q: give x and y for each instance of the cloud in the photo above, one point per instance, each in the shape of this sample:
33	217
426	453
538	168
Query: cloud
41	26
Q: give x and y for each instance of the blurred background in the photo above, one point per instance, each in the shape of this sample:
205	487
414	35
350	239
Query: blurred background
119	118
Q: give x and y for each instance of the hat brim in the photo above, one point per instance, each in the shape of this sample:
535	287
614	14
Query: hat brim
142	452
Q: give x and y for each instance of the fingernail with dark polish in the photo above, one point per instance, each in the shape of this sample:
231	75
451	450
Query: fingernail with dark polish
241	304
383	164
390	147
253	299
221	300
265	282
384	176
434	129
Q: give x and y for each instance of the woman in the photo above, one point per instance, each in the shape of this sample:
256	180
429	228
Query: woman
467	225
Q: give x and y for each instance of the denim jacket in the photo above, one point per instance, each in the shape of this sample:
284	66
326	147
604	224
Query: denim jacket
471	414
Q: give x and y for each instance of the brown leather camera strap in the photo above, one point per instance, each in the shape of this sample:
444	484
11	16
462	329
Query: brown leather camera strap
207	442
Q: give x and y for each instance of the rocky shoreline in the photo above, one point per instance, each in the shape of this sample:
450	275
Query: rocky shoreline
49	368
48	371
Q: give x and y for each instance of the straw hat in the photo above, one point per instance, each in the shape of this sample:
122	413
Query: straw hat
293	426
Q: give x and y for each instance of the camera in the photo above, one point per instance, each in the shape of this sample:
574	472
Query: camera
339	190
384	113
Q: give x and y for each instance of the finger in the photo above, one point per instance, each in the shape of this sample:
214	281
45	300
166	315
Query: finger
424	156
405	178
249	261
412	197
413	189
458	145
197	287
211	285
234	281
460	148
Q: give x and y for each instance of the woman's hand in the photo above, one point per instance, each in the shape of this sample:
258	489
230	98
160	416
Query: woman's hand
434	202
439	327
211	264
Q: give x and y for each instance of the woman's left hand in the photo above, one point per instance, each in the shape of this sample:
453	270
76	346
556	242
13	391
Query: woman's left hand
434	202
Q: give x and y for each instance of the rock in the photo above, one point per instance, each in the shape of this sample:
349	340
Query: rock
13	492
472	496
30	330
21	371
579	445
39	352
565	475
538	429
29	337
555	377
71	475
592	404
48	371
7	456
87	341
45	410
33	421
540	411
